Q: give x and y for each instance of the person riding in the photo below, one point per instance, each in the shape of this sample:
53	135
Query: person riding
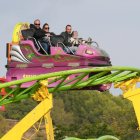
68	39
42	35
38	32
45	40
67	35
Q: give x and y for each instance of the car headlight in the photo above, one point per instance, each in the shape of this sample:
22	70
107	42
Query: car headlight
89	52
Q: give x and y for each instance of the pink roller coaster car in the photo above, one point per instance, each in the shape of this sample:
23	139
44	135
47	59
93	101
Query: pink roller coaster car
25	60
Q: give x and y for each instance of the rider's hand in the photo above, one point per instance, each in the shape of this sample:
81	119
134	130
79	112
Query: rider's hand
72	39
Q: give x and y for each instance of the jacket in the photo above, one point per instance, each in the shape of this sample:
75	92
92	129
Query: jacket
38	32
66	37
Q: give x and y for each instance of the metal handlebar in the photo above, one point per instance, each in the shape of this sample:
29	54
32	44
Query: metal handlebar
38	48
65	47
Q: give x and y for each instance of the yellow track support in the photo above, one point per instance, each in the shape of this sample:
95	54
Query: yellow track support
132	93
43	109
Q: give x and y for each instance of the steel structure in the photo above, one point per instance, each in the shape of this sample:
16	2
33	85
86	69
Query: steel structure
125	78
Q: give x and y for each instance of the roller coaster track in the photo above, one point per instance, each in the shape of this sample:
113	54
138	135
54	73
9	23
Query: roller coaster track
123	77
102	76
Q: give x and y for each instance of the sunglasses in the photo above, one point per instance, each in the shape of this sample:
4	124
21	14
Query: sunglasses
37	24
47	28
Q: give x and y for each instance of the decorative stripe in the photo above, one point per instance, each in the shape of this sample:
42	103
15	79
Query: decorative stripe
16	51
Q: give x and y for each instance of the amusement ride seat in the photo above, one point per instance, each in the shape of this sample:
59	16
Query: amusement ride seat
28	35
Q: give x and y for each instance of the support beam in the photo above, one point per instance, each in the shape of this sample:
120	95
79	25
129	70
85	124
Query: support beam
134	96
132	93
42	109
49	126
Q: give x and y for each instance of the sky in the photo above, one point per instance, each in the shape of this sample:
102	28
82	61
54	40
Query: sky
114	24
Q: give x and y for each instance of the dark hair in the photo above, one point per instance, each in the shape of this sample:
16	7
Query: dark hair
68	26
45	25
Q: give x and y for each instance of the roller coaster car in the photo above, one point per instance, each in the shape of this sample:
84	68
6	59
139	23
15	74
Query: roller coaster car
25	60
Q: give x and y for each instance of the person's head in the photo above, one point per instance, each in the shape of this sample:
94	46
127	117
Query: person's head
68	29
37	23
46	27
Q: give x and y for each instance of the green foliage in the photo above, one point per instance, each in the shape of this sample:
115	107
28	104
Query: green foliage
93	114
19	110
3	125
84	114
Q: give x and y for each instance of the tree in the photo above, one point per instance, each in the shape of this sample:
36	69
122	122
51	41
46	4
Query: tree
3	126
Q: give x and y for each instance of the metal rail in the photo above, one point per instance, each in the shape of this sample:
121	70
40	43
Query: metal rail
98	76
123	77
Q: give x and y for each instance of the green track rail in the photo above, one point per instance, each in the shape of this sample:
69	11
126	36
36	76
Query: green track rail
101	75
107	137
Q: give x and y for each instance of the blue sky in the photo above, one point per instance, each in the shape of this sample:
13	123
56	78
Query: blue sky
114	24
